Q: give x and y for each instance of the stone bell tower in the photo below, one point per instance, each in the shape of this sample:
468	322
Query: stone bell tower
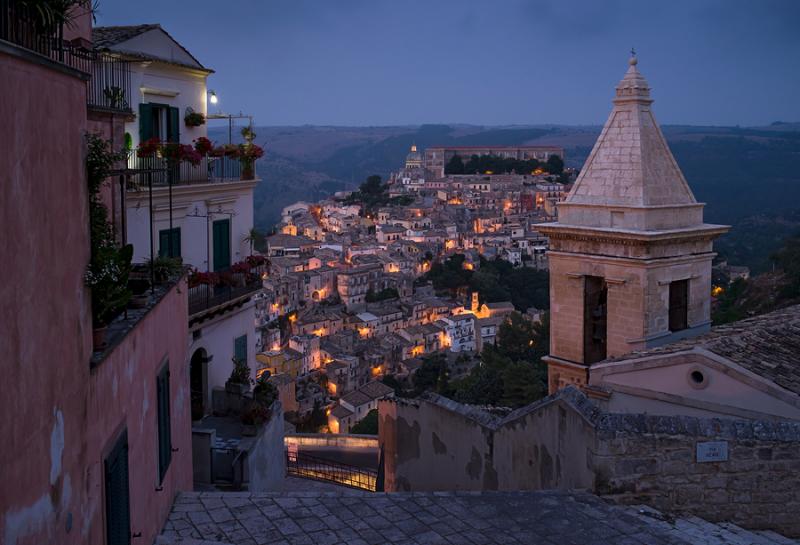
630	256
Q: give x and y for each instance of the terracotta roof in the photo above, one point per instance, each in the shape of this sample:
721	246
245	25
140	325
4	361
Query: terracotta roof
768	345
376	389
356	398
106	36
340	412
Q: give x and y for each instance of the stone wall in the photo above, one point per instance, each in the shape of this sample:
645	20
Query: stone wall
565	442
653	460
266	458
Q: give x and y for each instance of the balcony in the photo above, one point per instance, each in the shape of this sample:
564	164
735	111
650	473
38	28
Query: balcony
161	173
108	87
227	290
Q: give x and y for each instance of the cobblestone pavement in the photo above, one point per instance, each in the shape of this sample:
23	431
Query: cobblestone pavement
362	518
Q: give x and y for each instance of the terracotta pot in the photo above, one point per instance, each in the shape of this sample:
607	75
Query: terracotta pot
139	301
247	173
99	337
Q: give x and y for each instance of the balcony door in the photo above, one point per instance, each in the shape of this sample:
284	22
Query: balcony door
221	236
161	121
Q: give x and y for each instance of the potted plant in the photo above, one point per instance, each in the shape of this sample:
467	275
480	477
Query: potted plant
109	265
203	145
139	295
253	417
239	381
248	153
193	119
165	268
264	391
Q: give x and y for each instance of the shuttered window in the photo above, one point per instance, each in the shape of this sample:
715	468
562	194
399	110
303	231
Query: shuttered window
240	348
118	518
164	429
221	241
169	242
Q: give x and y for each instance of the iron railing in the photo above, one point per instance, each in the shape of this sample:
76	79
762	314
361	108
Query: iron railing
108	88
204	297
209	170
24	25
300	464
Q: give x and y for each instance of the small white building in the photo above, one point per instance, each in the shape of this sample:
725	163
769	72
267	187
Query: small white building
459	332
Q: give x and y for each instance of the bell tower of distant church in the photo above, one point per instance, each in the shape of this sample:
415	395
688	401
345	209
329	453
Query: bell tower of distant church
630	256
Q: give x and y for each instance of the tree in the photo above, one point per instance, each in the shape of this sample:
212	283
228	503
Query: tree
454	166
554	165
254	238
516	338
367	425
372	186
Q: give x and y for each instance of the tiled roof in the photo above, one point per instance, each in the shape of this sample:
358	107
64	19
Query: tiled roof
376	389
356	398
107	36
768	345
340	412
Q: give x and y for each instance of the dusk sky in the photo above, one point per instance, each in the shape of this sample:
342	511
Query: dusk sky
402	62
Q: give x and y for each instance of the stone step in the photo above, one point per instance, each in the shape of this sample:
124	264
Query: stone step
164	540
776	537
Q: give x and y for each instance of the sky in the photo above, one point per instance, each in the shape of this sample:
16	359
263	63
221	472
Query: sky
485	62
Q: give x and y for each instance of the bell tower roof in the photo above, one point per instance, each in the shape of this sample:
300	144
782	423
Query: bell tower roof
631	164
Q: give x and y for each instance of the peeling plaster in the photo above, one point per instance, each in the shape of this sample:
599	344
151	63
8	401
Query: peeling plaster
56	446
28	520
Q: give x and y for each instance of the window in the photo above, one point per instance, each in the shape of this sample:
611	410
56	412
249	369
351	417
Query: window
240	348
169	242
159	121
118	516
594	319
678	305
164	429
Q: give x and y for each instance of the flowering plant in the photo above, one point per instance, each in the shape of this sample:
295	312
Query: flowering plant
256	260
250	152
176	152
203	278
240	267
203	145
149	147
194	119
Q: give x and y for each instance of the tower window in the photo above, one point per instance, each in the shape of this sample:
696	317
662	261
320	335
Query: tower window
678	305
595	316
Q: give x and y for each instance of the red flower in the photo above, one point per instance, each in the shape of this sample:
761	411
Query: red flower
203	145
148	148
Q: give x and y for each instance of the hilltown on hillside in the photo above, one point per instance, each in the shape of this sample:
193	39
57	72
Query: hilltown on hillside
490	347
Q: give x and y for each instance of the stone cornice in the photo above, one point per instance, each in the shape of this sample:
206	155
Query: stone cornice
626	237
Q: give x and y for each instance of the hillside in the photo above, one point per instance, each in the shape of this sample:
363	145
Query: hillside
749	177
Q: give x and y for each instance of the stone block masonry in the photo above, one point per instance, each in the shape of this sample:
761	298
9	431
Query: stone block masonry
654	460
566	442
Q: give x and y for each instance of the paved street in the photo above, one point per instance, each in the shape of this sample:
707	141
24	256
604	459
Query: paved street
361	518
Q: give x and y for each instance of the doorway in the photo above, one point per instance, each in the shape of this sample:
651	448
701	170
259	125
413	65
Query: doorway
198	378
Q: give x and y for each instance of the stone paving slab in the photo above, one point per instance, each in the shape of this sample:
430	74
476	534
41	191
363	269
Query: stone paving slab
440	518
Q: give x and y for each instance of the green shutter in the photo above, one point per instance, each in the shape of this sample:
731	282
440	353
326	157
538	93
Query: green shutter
222	244
240	348
167	236
164	426
145	122
118	516
173	125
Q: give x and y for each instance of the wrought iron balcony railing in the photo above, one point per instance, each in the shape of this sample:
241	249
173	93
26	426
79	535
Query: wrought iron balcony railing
109	85
161	173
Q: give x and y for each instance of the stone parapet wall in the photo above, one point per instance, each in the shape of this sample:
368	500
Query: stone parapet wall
654	460
565	442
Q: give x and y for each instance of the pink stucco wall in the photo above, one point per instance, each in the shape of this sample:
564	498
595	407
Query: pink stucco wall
122	395
59	418
45	329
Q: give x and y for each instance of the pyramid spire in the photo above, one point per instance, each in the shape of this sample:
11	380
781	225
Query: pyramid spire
631	164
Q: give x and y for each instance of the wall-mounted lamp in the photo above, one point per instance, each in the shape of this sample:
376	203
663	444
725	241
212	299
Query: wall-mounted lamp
212	97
